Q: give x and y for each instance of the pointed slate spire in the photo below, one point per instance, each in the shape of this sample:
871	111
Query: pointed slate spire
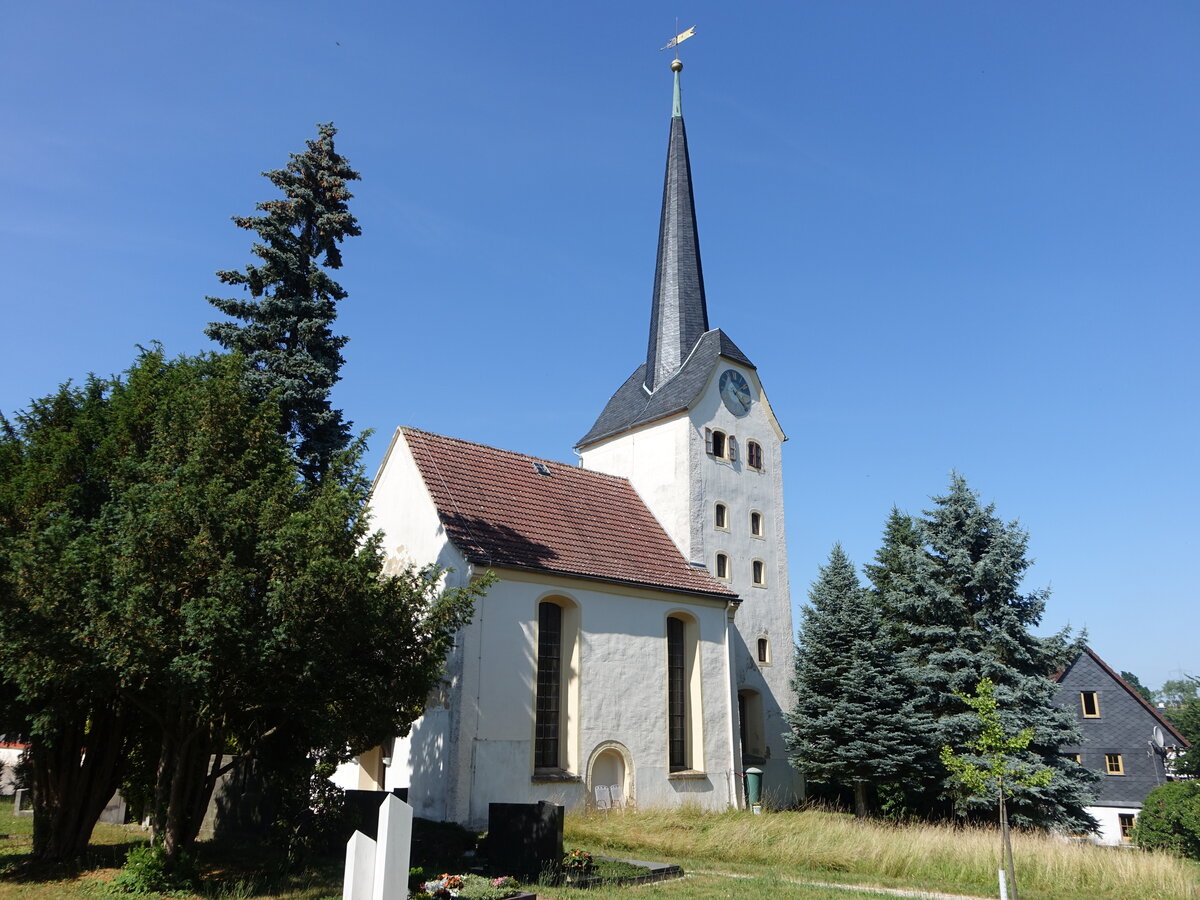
679	314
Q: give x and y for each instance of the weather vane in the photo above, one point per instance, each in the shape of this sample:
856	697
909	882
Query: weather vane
679	38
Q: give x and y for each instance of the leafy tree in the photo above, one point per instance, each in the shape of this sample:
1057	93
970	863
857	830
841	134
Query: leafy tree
991	764
1134	682
57	460
1170	819
1185	716
1178	691
949	588
853	723
210	599
286	333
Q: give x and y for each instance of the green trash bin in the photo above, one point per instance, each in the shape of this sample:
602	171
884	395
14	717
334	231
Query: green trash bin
754	788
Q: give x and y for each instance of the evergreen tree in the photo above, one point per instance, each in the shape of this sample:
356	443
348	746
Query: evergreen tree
950	590
853	723
56	463
286	335
166	577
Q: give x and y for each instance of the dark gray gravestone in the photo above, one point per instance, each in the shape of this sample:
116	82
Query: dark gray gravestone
525	839
114	813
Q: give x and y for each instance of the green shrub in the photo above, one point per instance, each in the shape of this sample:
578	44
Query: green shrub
1170	819
145	872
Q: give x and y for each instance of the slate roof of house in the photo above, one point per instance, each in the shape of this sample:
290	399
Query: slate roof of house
632	405
1132	691
499	510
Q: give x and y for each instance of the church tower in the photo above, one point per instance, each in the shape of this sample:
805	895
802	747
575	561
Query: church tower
693	431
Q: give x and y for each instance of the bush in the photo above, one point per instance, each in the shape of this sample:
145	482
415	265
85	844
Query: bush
145	872
1170	819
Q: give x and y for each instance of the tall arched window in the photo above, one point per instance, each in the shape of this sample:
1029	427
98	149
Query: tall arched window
685	728
548	716
556	692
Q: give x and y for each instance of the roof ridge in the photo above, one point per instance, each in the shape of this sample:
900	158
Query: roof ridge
570	467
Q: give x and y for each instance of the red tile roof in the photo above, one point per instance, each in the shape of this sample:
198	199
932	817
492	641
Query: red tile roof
498	510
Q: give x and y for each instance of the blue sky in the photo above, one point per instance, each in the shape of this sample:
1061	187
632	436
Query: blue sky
951	235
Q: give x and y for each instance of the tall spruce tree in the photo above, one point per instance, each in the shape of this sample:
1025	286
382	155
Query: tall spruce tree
854	724
950	591
286	335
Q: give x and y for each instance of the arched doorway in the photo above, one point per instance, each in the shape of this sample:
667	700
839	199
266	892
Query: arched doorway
610	777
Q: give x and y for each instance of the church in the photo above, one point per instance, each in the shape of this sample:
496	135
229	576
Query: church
637	646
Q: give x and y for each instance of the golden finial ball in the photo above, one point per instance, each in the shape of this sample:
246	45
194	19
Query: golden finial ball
677	65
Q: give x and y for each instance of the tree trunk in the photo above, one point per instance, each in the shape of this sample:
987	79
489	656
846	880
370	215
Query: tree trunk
74	776
861	809
1007	849
188	767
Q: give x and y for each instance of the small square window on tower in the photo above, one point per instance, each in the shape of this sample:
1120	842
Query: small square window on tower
721	516
716	443
754	455
1091	704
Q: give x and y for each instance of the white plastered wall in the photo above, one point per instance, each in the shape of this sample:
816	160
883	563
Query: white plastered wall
402	509
1110	822
667	462
622	694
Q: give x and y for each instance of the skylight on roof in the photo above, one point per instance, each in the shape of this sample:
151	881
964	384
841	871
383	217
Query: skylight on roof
541	468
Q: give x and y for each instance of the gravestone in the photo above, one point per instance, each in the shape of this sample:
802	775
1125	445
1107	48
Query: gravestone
525	839
115	811
378	869
23	802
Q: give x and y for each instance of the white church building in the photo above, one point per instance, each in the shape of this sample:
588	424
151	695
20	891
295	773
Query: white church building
639	636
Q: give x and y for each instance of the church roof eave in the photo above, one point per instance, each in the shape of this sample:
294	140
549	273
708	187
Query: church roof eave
632	406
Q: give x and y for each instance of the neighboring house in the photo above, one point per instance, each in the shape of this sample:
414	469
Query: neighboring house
640	634
1125	739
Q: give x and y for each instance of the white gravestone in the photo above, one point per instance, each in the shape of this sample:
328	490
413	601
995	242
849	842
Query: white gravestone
378	869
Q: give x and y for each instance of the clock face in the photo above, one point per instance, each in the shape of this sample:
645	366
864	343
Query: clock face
735	392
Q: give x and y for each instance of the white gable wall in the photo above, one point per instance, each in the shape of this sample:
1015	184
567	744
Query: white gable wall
474	745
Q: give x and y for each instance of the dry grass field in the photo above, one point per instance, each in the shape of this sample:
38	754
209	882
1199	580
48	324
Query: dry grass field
832	847
784	856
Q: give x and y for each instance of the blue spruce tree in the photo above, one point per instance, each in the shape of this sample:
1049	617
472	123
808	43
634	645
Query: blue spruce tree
854	724
286	333
949	586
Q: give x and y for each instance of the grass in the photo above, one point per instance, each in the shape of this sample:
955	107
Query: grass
728	855
832	847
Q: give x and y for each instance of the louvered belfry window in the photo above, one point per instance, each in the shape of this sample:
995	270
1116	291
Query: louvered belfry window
676	697
548	719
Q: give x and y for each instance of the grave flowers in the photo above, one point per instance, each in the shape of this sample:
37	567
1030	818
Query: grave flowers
577	865
469	887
